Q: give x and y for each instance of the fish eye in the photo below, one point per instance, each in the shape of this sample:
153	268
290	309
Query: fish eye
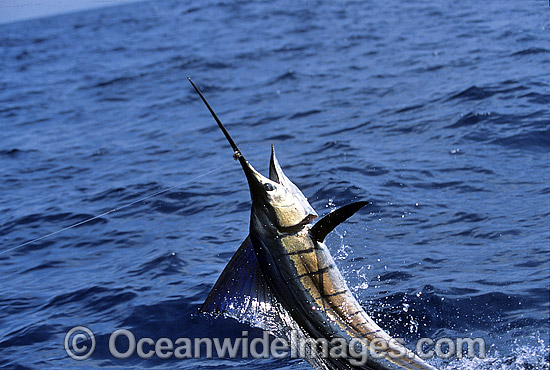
268	187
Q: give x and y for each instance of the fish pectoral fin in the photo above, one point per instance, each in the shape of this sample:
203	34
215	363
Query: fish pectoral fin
242	293
325	225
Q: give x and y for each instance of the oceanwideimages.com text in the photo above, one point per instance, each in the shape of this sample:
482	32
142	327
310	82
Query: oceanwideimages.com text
80	344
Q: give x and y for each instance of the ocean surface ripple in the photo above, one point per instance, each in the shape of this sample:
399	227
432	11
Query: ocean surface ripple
437	112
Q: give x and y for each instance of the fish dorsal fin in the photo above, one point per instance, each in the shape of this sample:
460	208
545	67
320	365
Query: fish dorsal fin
242	293
276	174
326	224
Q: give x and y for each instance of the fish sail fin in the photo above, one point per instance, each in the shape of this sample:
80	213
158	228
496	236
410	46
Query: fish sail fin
325	225
276	174
242	293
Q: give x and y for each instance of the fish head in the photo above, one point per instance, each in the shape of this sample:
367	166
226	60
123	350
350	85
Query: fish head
277	203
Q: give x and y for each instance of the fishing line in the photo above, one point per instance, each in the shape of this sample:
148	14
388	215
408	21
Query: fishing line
113	210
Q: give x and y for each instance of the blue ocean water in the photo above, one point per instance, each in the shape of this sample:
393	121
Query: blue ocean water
435	111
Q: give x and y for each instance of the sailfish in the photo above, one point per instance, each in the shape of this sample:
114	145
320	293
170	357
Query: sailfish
283	278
